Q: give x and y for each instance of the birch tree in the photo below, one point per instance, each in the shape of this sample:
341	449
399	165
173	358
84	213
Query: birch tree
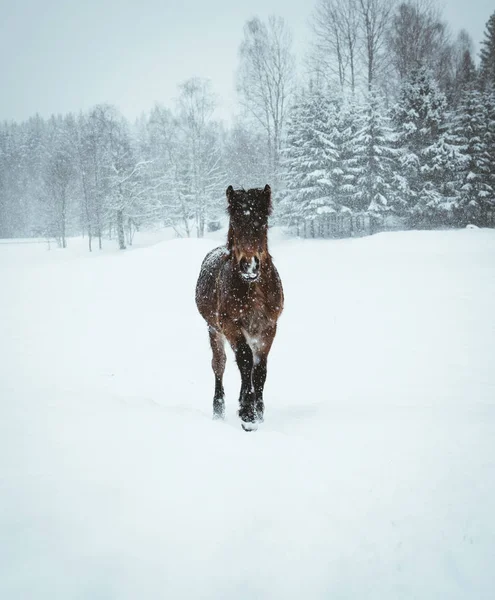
335	26
201	147
265	80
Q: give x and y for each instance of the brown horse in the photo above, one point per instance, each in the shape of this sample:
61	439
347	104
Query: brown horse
240	296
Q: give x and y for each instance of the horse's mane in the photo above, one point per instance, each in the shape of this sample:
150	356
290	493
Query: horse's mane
253	194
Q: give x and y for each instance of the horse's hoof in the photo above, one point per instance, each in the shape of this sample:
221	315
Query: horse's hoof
249	426
218	409
218	414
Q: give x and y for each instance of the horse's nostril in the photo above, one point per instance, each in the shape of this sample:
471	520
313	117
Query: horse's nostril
250	267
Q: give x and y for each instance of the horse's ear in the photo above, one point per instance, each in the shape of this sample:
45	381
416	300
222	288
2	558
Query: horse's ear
230	194
267	192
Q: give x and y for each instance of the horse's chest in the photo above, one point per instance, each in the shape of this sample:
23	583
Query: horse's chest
254	314
252	308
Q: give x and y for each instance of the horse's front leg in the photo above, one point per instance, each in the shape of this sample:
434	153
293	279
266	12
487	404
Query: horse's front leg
244	359
259	378
260	369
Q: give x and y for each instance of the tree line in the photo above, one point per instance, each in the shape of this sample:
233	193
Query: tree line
387	114
418	144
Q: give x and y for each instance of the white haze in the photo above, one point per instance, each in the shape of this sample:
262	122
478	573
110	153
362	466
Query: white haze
59	57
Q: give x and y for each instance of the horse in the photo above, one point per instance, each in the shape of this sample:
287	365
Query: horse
240	296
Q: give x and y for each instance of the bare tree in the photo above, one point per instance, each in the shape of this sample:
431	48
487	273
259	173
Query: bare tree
83	165
60	179
165	152
374	21
335	25
417	37
201	150
94	163
128	188
131	198
265	79
350	39
460	70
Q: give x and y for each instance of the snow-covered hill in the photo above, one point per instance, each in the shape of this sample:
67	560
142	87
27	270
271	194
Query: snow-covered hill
373	476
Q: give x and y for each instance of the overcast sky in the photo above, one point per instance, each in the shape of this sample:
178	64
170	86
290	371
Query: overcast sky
58	56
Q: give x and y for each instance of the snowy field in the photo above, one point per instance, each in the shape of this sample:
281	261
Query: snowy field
373	476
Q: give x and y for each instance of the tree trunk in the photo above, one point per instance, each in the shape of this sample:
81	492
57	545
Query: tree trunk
120	229
86	211
63	219
129	235
98	227
184	216
202	220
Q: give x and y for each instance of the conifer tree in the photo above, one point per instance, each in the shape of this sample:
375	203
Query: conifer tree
373	164
487	54
441	171
308	161
343	133
470	130
465	78
419	117
489	101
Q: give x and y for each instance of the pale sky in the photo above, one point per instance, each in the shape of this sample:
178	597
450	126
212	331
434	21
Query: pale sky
58	56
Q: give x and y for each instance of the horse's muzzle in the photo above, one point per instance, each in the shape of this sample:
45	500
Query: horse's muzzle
250	268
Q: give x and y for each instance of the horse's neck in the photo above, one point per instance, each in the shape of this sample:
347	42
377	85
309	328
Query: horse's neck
230	240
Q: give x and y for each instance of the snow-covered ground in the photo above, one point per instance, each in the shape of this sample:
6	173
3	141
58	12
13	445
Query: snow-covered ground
373	476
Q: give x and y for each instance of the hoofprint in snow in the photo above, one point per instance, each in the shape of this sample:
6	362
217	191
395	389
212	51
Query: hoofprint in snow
372	477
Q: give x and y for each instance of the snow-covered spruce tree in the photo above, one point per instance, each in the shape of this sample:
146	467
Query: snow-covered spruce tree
441	171
308	160
490	137
374	162
470	135
418	116
292	205
487	54
343	129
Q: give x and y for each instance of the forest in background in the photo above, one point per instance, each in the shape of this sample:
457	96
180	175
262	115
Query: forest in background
388	115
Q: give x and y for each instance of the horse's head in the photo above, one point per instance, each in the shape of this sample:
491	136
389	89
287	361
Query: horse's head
247	239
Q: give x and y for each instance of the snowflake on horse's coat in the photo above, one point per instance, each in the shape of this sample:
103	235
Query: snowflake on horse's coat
239	294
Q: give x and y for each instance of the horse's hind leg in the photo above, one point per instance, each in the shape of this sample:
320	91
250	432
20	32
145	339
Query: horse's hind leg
218	364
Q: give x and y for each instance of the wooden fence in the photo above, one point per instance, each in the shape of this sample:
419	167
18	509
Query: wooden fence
337	225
